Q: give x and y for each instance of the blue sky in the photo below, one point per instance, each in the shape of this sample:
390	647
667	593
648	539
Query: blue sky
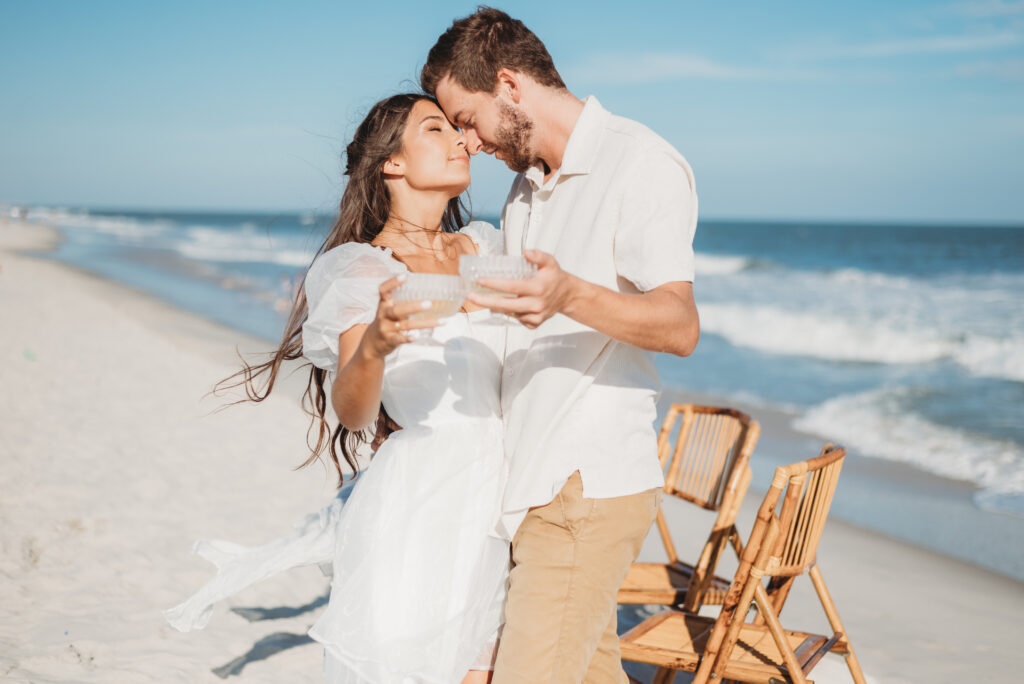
808	110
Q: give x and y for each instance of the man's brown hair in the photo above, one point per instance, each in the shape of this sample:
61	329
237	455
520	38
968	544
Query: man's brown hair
475	48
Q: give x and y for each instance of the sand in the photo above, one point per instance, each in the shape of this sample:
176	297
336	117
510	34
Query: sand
113	464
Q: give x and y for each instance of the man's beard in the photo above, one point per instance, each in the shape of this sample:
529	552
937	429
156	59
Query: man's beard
513	138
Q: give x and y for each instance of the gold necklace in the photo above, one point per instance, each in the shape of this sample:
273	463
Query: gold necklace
448	248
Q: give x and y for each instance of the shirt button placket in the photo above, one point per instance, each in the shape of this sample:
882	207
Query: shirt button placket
535	218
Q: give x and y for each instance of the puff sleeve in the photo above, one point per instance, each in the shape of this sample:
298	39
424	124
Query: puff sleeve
489	240
342	290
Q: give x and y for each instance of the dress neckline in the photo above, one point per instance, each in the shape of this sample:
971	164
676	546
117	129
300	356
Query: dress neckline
390	254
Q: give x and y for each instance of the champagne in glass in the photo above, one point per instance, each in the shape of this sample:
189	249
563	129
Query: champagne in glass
505	266
444	292
439	308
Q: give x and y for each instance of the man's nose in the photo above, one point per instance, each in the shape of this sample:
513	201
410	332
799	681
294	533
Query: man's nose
473	144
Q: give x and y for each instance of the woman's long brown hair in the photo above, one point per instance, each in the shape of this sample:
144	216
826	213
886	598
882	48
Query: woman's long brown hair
365	208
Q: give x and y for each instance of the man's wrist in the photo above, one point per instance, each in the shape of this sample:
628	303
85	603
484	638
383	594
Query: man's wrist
578	293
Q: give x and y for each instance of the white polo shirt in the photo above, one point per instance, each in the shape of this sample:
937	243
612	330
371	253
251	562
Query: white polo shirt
620	212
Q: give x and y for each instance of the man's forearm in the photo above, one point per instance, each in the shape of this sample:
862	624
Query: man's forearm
662	320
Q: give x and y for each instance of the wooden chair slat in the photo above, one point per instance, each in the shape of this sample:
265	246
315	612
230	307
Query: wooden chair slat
791	518
708	465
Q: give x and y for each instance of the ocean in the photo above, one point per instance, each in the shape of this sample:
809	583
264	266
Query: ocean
904	343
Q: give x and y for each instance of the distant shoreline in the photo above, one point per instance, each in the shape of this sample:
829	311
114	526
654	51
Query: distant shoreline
492	216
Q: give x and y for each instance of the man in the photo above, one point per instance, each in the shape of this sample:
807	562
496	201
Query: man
607	211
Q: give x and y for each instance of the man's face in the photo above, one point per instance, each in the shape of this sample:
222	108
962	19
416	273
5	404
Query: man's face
490	123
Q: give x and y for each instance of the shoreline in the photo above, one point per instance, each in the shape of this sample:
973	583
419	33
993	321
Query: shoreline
780	442
108	499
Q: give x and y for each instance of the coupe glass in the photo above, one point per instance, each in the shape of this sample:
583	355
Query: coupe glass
505	266
444	292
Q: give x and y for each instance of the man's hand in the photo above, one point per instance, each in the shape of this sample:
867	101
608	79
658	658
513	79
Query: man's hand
550	291
663	319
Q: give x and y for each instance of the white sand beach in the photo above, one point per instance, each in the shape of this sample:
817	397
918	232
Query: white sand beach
113	463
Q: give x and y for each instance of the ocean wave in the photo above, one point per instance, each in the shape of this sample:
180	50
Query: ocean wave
238	254
992	358
778	331
832	337
121	227
879	425
986	287
709	264
855	276
753	280
244	244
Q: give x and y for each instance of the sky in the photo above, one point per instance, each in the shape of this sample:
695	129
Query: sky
857	111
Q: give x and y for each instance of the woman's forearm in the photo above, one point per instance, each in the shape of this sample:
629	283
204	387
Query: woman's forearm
355	393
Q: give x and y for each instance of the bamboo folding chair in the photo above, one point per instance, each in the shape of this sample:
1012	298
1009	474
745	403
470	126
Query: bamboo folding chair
782	546
710	467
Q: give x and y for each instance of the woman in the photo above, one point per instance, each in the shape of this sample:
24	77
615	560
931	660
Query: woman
418	582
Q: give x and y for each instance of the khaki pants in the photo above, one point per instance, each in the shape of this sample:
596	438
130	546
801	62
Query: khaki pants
570	558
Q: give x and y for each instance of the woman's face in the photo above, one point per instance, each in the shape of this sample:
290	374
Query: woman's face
433	155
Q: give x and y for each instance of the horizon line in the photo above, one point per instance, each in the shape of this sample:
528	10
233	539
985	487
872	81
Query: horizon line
874	221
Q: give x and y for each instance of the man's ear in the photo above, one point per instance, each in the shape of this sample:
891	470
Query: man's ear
510	84
393	167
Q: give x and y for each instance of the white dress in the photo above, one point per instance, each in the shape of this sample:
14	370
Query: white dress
418	579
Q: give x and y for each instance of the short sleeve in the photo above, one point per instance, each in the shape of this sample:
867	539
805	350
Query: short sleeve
488	239
342	290
654	238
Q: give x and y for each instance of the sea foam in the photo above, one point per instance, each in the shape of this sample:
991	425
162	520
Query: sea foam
992	358
124	229
862	316
778	331
877	424
719	264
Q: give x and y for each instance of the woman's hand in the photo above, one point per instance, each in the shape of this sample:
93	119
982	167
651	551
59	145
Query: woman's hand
355	394
392	325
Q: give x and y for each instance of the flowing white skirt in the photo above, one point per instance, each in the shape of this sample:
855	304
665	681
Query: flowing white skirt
418	582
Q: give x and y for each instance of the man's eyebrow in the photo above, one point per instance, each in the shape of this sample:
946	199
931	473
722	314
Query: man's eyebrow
457	119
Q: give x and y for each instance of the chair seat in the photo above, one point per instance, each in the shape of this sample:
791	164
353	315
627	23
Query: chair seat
677	640
666	584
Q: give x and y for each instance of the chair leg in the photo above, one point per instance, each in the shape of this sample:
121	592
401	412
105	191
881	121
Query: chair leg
796	673
837	626
666	537
664	675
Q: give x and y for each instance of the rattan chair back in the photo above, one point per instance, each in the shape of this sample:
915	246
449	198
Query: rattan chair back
705	454
783	542
712	444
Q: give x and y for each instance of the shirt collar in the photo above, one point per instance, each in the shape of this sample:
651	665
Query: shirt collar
583	145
